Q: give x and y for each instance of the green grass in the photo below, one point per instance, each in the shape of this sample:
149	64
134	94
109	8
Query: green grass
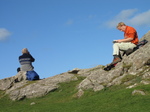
113	99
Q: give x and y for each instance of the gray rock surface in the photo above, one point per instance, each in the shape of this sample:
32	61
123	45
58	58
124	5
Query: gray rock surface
30	89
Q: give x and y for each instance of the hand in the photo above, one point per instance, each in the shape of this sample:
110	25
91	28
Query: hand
114	41
118	41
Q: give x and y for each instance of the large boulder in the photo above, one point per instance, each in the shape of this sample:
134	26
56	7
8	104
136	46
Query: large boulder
10	82
134	64
30	89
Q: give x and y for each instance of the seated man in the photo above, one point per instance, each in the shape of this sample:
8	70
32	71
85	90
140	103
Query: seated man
26	60
129	42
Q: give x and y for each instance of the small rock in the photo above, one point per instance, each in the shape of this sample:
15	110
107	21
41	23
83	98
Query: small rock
33	103
132	86
140	92
80	93
75	70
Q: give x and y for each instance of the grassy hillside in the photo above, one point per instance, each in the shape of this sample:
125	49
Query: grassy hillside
114	99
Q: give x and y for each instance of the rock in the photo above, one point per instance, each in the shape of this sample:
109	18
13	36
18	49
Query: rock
138	92
133	64
33	103
132	86
9	82
79	93
145	82
98	88
75	70
20	76
32	89
146	75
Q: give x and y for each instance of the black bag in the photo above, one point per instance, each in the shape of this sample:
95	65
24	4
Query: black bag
141	43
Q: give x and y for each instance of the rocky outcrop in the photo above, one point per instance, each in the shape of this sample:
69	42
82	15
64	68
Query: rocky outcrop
131	66
136	65
7	83
30	89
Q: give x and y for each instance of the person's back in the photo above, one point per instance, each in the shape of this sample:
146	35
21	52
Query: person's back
26	61
130	32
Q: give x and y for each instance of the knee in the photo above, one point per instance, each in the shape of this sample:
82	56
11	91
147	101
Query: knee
115	44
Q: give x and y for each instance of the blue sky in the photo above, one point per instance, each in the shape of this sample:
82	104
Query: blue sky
65	34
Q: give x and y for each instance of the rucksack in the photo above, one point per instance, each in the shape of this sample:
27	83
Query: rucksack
32	75
141	43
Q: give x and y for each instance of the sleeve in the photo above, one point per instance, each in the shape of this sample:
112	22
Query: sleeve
19	59
32	59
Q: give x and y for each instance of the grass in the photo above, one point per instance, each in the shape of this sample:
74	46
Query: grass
113	99
128	78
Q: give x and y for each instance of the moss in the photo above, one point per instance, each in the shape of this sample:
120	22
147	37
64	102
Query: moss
2	94
127	78
127	65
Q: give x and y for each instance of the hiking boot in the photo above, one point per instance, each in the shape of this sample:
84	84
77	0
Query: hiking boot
116	60
109	67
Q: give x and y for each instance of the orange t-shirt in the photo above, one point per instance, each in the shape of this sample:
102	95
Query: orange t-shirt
130	32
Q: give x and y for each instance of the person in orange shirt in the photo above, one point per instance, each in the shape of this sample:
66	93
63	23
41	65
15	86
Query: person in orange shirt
129	42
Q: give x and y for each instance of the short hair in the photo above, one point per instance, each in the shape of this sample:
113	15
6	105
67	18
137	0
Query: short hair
25	50
121	24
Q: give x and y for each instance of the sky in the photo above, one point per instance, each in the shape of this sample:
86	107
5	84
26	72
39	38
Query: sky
65	34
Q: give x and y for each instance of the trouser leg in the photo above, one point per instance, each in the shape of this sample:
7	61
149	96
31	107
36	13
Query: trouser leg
122	46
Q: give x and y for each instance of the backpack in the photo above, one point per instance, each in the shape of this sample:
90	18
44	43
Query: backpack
141	43
32	75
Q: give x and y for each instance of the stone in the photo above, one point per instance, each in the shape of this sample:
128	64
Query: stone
79	93
31	89
138	92
33	103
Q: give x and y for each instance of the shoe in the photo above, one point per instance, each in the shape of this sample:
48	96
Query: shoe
109	67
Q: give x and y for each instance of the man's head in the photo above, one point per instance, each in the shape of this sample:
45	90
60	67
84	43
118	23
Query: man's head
25	50
121	26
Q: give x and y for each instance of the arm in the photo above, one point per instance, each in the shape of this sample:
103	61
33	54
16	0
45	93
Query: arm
129	35
32	59
124	40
